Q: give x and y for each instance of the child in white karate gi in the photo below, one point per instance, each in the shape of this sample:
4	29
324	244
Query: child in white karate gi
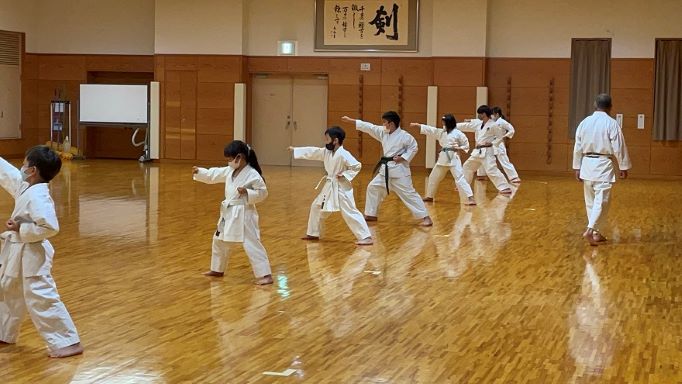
337	192
238	222
26	284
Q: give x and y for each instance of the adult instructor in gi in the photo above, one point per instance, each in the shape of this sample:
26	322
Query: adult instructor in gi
598	140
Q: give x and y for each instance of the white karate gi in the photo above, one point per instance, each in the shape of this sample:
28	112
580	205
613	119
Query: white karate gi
336	193
598	139
448	159
501	152
26	284
399	143
492	133
238	222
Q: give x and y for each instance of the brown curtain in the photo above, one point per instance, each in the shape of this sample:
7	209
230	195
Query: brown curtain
590	76
667	90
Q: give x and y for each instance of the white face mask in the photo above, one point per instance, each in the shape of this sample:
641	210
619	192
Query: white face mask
24	175
234	164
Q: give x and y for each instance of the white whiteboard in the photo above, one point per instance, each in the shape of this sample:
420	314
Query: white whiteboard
108	103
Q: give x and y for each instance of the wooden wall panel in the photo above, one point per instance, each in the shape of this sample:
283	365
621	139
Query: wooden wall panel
666	158
211	147
62	67
460	101
119	63
415	72
215	95
215	121
459	72
346	71
267	64
632	73
308	65
343	97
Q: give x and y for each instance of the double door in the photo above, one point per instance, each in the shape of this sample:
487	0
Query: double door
287	111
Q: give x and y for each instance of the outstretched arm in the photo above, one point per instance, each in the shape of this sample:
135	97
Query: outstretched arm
10	177
211	175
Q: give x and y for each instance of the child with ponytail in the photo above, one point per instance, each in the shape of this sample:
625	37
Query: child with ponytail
238	222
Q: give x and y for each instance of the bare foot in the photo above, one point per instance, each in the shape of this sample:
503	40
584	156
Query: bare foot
589	236
506	191
71	350
596	236
516	181
470	201
426	222
265	280
370	218
427	199
214	274
308	237
365	241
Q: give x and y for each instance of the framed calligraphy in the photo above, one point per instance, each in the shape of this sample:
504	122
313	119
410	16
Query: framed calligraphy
366	25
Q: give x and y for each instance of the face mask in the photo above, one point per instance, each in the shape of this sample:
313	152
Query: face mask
234	164
329	146
24	175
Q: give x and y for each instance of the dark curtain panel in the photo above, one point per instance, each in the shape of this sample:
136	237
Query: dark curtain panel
590	76
667	91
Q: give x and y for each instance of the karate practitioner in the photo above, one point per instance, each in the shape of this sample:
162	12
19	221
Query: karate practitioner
26	284
399	148
598	139
501	150
238	222
488	135
451	141
337	192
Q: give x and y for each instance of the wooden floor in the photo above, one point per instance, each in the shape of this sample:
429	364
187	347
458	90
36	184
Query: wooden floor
505	292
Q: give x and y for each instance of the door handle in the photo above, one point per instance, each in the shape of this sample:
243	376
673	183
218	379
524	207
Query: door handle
288	122
295	125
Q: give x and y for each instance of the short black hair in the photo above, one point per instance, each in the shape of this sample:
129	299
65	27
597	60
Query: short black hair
336	132
392	117
47	162
485	109
603	101
449	121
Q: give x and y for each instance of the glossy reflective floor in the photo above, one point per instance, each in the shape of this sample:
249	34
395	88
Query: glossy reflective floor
505	292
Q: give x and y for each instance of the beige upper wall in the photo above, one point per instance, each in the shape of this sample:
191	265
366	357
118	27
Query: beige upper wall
18	16
199	26
93	27
494	28
533	28
459	27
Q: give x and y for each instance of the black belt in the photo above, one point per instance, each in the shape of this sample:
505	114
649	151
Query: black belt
595	155
384	161
484	146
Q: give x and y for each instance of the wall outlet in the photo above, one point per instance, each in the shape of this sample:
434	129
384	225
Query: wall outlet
365	66
640	121
619	119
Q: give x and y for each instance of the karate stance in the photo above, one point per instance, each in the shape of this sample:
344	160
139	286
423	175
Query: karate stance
488	134
451	140
598	139
399	148
26	284
501	150
238	222
337	192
